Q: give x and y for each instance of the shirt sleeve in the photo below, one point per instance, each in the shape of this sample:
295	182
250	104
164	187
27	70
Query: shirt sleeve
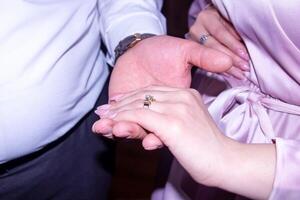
196	7
121	18
287	175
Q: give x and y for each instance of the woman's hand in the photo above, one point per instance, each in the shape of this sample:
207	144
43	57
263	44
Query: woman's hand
222	37
181	121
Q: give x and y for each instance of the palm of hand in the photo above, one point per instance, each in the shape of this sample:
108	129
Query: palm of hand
155	61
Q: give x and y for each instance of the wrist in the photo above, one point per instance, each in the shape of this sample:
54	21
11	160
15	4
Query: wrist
129	42
226	154
248	169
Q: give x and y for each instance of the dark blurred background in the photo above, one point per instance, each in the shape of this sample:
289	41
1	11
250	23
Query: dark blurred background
138	171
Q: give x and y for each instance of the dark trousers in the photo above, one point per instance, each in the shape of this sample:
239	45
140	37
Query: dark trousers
76	166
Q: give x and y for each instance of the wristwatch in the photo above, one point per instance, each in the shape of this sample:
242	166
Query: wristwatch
130	42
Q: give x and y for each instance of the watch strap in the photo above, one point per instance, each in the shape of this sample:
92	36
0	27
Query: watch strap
130	42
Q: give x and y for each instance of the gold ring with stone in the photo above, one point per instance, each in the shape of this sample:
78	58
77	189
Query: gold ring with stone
149	99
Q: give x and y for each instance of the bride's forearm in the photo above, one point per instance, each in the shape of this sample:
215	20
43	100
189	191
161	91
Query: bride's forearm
249	169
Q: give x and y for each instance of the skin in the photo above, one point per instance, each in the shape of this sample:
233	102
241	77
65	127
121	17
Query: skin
246	169
181	121
159	60
223	37
149	62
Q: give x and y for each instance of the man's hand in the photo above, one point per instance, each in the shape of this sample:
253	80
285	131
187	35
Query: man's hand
163	60
159	60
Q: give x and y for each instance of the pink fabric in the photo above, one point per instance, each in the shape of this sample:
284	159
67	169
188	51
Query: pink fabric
266	106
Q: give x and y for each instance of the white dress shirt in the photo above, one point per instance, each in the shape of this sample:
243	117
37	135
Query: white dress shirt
51	66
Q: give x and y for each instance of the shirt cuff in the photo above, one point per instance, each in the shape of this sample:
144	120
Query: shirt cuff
287	175
129	25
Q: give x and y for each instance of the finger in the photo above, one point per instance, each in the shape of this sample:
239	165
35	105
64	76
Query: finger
158	107
207	58
231	30
237	61
148	119
129	130
213	43
236	72
152	142
138	100
103	127
221	33
141	90
163	102
132	130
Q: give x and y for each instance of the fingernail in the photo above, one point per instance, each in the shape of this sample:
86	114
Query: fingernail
104	107
105	132
124	134
239	75
108	135
103	110
153	147
226	75
94	128
243	54
244	65
101	113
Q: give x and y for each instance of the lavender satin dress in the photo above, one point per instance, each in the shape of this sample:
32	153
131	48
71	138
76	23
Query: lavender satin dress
264	108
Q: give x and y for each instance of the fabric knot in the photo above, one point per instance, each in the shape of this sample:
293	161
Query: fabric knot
249	96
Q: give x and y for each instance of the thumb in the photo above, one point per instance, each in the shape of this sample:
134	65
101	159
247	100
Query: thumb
208	59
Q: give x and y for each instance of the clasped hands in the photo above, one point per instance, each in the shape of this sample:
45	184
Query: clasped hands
160	60
167	61
178	118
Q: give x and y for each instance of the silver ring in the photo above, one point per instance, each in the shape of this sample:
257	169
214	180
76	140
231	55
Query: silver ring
203	38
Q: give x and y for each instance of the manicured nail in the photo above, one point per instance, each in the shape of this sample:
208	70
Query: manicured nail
226	75
244	65
103	110
107	132
104	107
124	134
153	147
243	54
238	74
247	74
108	135
102	113
94	128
